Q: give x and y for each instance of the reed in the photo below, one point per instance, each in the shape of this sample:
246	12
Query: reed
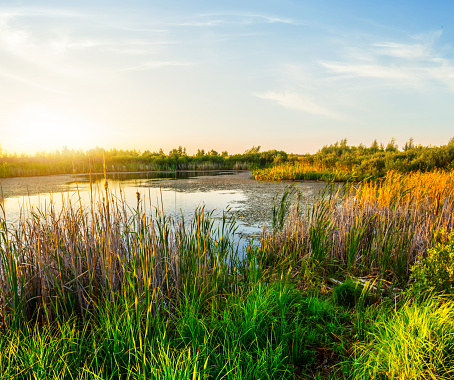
304	171
61	262
371	228
105	290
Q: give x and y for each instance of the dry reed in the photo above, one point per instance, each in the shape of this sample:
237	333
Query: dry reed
378	228
66	261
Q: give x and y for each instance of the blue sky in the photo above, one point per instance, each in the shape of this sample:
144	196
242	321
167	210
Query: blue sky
290	75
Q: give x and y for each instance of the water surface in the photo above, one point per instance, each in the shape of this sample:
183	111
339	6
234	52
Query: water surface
178	193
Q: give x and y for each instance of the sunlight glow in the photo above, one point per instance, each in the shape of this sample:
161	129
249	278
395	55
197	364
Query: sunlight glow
37	128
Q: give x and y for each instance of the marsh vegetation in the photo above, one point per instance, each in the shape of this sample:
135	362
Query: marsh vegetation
342	162
357	286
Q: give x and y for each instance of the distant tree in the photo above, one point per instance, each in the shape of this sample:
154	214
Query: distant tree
410	144
392	146
212	152
176	153
343	143
374	147
223	154
200	153
254	149
147	153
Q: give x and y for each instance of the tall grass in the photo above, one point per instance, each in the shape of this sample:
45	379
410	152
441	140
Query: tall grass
104	290
60	262
413	342
304	171
371	228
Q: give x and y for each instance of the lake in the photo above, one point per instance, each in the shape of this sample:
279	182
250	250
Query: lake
177	193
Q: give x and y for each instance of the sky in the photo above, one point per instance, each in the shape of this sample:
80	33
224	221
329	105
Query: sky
224	75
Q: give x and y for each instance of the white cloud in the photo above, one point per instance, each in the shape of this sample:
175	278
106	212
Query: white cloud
422	50
208	20
33	83
413	63
272	20
11	38
371	71
66	49
150	66
399	50
214	22
297	102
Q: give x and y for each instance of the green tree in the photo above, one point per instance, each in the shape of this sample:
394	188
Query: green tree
176	153
392	146
410	144
254	149
374	147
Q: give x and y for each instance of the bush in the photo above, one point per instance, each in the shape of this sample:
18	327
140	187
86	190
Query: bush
435	272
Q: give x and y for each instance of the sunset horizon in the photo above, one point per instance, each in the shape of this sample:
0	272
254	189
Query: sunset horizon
291	76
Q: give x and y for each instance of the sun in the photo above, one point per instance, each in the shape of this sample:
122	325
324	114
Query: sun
39	128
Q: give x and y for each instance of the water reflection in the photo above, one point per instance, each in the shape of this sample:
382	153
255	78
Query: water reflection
157	175
177	193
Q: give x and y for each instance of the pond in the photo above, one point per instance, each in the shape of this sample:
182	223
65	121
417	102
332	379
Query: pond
176	193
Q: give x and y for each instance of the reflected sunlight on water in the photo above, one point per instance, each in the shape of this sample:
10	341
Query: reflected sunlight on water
251	201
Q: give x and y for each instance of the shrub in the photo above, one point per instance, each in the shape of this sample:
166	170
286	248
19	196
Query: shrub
435	272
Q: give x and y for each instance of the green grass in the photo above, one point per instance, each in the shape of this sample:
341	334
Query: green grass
263	332
105	291
414	341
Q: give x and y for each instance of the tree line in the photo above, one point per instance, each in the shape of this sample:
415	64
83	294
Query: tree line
66	161
374	160
378	159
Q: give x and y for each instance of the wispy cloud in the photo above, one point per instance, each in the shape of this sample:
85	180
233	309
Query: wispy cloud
143	30
64	48
421	49
272	19
297	102
120	46
216	19
370	71
13	12
10	38
203	23
400	50
412	63
149	66
33	83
